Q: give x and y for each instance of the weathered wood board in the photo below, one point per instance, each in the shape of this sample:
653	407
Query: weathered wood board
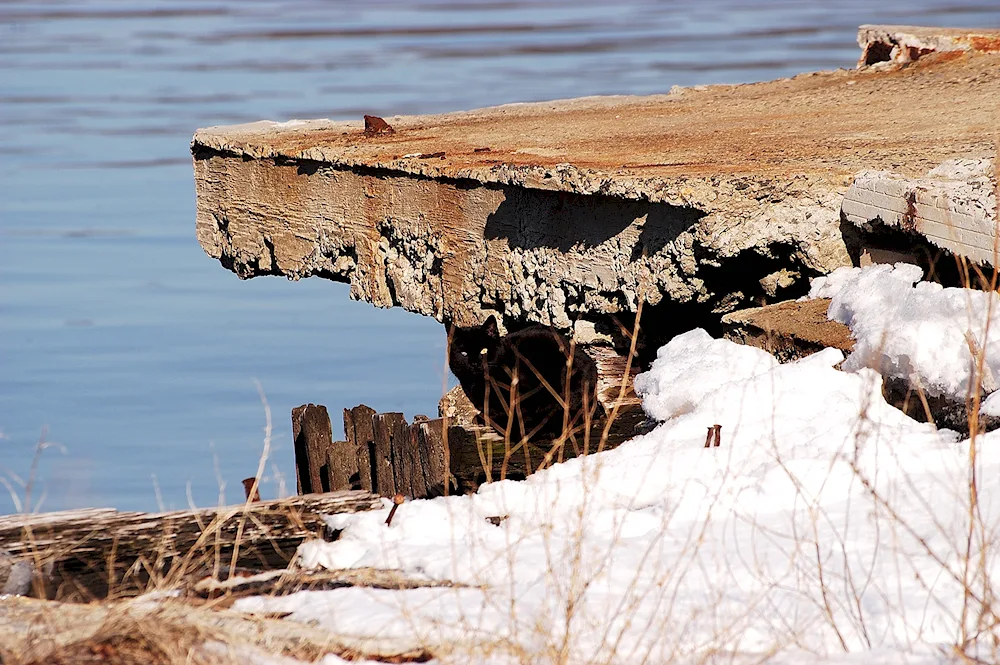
94	549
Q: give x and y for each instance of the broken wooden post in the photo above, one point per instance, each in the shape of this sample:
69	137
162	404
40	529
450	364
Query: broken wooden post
429	441
313	437
361	439
386	455
342	462
386	427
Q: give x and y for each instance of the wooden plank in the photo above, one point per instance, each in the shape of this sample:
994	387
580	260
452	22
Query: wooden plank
343	464
433	434
415	461
313	437
430	446
589	206
403	446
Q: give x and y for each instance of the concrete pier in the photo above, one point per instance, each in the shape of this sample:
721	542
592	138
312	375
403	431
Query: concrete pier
566	212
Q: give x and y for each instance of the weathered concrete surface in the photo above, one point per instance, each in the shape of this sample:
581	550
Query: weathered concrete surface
906	43
788	330
798	328
718	197
954	206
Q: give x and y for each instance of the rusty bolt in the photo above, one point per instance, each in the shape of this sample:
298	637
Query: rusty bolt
248	487
397	501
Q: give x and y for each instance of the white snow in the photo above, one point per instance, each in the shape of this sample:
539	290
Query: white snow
991	405
828	527
692	366
916	330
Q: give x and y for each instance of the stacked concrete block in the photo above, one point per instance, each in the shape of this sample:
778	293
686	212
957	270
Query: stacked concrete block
954	206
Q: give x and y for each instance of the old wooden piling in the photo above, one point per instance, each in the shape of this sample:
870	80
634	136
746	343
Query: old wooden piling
452	454
312	434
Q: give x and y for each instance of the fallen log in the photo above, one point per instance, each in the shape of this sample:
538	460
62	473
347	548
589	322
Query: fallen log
92	553
223	592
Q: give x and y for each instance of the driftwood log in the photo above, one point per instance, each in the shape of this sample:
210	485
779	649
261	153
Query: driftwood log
89	553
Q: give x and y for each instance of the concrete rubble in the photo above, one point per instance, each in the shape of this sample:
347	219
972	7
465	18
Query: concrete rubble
900	44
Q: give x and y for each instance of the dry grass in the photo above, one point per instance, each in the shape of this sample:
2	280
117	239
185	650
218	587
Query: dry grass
165	624
164	632
170	631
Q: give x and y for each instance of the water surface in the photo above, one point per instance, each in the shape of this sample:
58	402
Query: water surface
136	352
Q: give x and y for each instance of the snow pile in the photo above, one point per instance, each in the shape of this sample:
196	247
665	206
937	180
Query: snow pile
916	330
692	366
827	527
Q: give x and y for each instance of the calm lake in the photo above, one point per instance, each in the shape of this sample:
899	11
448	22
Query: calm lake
140	356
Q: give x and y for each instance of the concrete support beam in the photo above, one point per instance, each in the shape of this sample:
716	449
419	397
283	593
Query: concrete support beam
954	206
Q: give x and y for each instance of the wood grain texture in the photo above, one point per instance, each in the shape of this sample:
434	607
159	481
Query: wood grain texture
94	547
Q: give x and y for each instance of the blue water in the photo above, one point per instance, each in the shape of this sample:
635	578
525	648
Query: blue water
139	355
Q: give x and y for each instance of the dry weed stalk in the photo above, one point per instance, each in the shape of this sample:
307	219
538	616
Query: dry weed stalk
159	568
978	623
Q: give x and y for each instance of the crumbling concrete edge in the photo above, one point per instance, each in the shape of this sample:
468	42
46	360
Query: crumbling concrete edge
901	44
392	256
954	206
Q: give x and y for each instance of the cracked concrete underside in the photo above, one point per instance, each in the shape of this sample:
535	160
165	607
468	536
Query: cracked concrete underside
719	197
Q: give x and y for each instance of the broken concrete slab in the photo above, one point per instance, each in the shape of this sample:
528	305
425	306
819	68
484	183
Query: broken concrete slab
954	206
795	329
715	197
901	44
788	330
